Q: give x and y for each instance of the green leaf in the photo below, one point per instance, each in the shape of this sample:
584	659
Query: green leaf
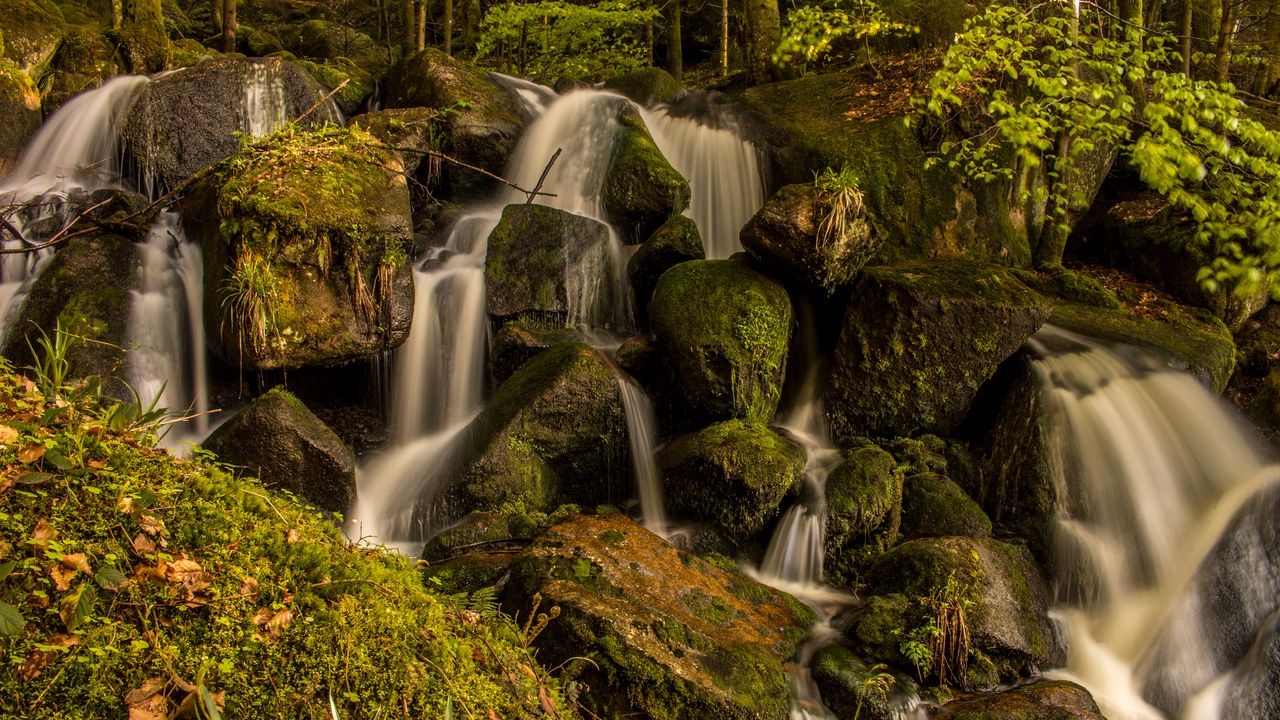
110	578
11	621
6	568
208	706
75	608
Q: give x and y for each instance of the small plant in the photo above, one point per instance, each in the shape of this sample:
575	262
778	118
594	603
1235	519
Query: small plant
840	202
52	365
940	644
250	293
876	684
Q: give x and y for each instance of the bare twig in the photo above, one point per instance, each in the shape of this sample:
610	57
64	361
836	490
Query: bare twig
542	178
482	171
59	237
320	102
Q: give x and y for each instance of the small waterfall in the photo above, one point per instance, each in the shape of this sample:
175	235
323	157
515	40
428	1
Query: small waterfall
722	168
641	430
1149	468
265	108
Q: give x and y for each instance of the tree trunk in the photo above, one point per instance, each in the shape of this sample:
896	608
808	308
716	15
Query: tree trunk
470	21
117	14
228	26
421	40
724	38
1187	7
448	27
1053	236
764	32
1222	60
1269	72
409	38
648	33
675	54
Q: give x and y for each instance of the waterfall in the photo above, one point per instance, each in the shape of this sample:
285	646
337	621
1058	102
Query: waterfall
641	431
1149	469
722	168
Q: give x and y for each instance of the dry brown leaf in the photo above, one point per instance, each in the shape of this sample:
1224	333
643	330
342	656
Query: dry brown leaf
249	588
148	689
189	574
143	545
527	671
76	561
151	525
294	536
153	708
38	660
278	622
548	704
8	435
125	505
98	464
40	536
31	453
262	616
62	577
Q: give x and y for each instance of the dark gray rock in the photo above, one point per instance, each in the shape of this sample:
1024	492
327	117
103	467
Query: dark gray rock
641	190
673	243
1042	700
934	505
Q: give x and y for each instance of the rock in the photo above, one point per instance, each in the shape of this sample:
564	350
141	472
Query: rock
187	120
1254	689
490	529
416	129
277	439
324	40
549	265
864	507
1258	342
917	341
1041	700
85	60
842	677
673	243
733	474
1008	621
305	263
554	432
785	234
518	341
641	190
640	357
144	43
724	329
257	42
668	635
333	73
484	121
469	573
32	31
85	289
934	505
20	115
187	52
646	87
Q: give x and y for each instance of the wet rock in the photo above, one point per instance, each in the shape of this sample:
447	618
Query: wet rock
516	342
641	190
724	329
1042	700
789	233
20	115
864	508
480	530
843	678
640	357
733	474
32	31
277	439
647	87
549	265
668	635
675	242
917	341
325	40
469	573
934	505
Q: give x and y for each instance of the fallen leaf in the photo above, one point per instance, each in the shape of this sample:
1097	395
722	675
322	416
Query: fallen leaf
31	453
544	697
75	607
153	708
278	622
148	689
98	464
151	525
142	545
76	561
294	536
62	577
189	574
262	616
38	659
7	434
125	505
40	536
249	588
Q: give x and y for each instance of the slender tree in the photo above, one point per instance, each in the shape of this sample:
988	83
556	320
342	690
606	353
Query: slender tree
1188	7
764	31
675	51
420	37
228	25
1222	55
724	38
409	38
447	43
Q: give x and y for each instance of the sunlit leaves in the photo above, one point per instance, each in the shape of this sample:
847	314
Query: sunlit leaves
811	30
552	39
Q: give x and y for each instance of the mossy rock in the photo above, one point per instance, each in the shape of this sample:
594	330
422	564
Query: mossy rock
324	40
934	505
144	43
333	73
1258	343
257	42
1008	621
842	677
278	440
785	234
20	115
641	190
668	635
516	342
85	289
186	52
676	241
878	631
417	130
305	238
548	264
647	87
864	509
1041	700
32	31
248	589
733	474
185	121
85	60
475	572
555	432
491	530
919	339
724	329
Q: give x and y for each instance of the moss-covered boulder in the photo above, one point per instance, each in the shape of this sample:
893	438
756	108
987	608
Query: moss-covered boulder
675	242
84	290
412	131
245	588
998	585
555	432
917	341
864	509
32	31
724	329
548	264
188	120
353	84
516	342
484	121
327	41
641	189
486	530
19	112
305	239
791	233
647	87
665	634
85	59
843	678
1042	700
278	440
734	474
933	505
144	43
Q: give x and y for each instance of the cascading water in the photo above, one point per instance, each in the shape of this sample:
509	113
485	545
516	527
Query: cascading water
641	431
1149	468
722	168
265	108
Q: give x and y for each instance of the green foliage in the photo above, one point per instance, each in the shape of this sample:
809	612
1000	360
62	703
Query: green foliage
551	39
249	295
812	29
938	645
840	199
1039	89
876	685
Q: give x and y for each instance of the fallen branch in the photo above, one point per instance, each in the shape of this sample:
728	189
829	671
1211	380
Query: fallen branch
320	102
454	161
59	237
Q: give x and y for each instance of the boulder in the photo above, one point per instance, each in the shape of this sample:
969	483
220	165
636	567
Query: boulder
640	357
333	73
917	341
673	243
416	129
324	40
864	507
144	43
479	528
85	60
1041	700
549	265
483	124
933	505
641	190
32	31
1010	632
516	342
646	87
724	329
277	439
187	120
785	234
554	432
843	678
733	474
667	634
305	240
20	115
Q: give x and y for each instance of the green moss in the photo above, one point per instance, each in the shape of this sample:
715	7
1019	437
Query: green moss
641	190
332	73
612	537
